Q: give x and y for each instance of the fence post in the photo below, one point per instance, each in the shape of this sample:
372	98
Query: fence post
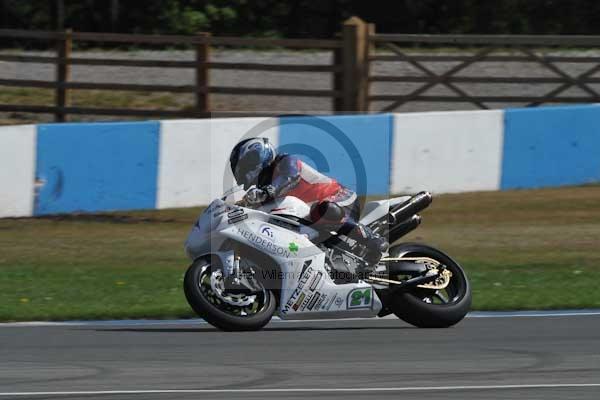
369	50
63	74
338	79
354	43
202	74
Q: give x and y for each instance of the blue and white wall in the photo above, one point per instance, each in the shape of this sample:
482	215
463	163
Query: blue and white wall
17	170
193	155
60	168
444	152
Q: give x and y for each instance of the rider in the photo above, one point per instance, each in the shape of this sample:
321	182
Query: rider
255	162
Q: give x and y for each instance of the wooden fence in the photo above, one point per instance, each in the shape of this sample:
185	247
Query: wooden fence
470	50
343	69
356	53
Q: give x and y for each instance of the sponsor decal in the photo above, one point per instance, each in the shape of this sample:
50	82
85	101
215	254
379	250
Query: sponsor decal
339	301
328	305
293	247
284	224
298	290
232	221
236	216
322	298
264	243
315	281
297	303
305	266
306	301
313	301
266	230
360	298
235	213
223	211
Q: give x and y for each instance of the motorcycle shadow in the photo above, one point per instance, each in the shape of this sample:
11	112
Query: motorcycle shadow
210	329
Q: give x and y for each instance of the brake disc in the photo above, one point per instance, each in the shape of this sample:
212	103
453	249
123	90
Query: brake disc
217	284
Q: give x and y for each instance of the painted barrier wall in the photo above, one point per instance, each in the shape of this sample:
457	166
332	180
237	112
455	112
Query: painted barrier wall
551	147
457	151
194	157
17	170
61	168
353	149
96	167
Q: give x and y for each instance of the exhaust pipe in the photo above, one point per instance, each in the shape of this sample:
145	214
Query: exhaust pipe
412	206
404	228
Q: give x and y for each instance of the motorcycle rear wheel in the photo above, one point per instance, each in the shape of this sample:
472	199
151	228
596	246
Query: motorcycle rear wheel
418	306
220	309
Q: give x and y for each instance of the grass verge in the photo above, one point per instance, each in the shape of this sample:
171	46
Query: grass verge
88	98
534	249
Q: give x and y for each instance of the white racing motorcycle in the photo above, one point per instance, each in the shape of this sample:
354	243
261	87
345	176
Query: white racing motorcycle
249	264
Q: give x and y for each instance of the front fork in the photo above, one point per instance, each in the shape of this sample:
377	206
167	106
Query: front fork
236	279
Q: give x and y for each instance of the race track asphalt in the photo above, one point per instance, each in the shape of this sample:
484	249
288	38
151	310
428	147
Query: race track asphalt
549	357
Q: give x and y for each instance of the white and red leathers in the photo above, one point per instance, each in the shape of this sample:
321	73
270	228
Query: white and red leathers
287	175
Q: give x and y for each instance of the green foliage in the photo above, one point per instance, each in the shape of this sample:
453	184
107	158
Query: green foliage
183	20
304	18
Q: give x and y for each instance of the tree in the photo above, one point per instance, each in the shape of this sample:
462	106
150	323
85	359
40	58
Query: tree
304	18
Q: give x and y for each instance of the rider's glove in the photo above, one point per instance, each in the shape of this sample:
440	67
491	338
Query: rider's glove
256	196
270	189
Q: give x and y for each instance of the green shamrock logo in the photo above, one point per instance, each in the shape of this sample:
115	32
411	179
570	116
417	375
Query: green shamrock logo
293	247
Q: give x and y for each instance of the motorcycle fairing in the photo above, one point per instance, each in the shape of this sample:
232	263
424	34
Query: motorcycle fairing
312	294
375	210
307	288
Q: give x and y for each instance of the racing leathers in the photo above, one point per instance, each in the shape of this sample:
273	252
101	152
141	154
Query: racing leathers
331	203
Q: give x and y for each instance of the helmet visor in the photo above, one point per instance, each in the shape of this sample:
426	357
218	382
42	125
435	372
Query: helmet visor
247	169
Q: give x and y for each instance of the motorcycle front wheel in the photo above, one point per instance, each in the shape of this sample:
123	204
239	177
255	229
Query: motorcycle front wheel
205	292
430	308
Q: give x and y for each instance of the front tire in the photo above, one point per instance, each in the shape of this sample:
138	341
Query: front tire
417	307
218	309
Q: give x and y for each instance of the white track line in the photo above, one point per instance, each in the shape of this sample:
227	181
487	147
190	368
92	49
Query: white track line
535	314
148	322
304	390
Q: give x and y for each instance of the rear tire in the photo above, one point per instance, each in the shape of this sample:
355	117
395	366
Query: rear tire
210	312
411	306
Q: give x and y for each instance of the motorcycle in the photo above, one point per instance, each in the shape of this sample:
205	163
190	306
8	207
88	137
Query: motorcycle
252	262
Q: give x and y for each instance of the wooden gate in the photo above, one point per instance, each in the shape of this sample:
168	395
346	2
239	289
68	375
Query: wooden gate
546	66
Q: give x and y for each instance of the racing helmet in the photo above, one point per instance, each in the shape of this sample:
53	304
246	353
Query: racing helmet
248	158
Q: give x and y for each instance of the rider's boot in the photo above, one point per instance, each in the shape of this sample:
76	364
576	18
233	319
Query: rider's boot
375	244
330	213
